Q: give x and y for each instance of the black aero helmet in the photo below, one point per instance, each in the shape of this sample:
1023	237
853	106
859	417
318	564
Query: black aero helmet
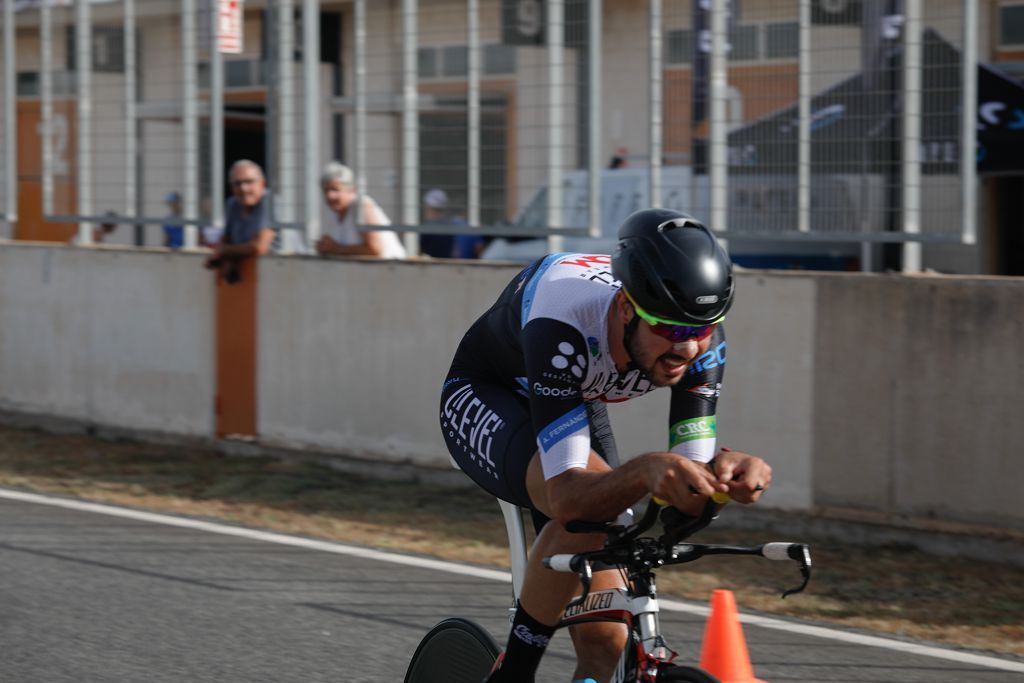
671	265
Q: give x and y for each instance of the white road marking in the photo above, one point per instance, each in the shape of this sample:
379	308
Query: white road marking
496	575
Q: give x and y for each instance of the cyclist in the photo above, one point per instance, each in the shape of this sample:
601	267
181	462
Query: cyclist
523	408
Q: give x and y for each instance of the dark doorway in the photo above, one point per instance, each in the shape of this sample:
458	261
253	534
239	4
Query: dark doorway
1009	251
243	140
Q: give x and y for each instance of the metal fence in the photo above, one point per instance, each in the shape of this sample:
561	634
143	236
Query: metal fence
777	119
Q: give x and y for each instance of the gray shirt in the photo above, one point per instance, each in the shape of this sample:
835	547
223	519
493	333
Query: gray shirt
239	229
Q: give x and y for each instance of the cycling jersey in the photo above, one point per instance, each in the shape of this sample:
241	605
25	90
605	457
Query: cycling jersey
527	370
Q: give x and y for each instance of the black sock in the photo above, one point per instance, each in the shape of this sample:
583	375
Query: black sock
526	644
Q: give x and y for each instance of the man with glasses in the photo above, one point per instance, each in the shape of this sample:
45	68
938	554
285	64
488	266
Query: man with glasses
523	408
247	229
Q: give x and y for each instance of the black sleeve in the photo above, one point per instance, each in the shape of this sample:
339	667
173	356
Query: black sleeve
692	420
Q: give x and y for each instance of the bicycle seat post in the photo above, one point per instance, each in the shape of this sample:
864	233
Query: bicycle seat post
516	544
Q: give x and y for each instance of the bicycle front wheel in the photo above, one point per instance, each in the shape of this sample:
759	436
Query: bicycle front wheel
685	674
455	651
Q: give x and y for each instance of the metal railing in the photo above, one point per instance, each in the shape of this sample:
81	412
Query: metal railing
787	120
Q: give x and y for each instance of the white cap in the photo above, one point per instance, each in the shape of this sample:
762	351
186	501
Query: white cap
436	198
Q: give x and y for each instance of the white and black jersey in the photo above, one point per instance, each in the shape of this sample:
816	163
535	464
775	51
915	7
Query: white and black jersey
534	370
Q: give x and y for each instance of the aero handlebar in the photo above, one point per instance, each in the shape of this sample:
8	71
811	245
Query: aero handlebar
625	549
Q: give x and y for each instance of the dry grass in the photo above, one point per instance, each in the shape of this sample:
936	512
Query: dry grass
899	591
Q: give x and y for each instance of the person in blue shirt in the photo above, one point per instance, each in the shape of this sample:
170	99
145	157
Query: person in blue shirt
248	232
174	233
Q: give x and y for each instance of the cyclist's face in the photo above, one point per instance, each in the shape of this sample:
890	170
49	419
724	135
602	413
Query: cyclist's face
663	362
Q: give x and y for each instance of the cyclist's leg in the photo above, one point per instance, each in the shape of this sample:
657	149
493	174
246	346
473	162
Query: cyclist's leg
599	645
545	593
487	430
490	436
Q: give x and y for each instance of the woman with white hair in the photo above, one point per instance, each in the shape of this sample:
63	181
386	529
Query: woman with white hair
342	235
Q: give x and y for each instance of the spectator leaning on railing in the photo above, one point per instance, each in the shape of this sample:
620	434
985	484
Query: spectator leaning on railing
341	234
174	232
247	229
435	212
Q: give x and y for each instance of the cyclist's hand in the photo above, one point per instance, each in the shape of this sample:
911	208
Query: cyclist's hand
746	476
682	482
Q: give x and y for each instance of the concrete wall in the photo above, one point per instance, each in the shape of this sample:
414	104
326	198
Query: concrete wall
895	396
109	337
342	364
919	392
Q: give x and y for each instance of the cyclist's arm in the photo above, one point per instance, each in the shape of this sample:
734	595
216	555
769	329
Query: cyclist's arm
556	360
599	495
555	356
692	421
693	426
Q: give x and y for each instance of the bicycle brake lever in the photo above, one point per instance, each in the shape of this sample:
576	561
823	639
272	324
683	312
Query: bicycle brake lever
805	568
586	574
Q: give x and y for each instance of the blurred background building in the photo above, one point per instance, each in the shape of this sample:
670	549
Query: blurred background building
824	134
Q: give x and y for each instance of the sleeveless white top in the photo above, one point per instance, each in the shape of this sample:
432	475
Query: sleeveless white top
344	230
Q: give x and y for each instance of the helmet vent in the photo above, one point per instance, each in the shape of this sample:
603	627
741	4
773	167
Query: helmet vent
675	223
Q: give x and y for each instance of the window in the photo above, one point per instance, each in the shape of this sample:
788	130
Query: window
499	59
680	47
107	49
452	61
743	40
455	59
782	40
427	58
238	73
1011	25
27	84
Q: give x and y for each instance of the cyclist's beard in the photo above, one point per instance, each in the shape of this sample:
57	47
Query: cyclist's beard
647	362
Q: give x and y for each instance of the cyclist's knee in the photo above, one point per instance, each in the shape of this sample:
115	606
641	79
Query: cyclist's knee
600	644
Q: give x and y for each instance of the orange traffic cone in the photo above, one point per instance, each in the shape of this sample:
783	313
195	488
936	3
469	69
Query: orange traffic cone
724	653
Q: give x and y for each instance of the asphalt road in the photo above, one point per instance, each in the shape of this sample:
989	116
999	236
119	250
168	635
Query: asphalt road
87	596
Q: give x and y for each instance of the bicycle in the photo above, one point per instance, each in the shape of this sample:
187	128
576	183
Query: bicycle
459	650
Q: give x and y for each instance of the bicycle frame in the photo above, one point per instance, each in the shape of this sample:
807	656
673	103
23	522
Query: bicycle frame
636	605
638	612
640	615
517	547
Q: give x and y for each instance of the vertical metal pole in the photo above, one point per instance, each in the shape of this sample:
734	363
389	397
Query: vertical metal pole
556	60
595	8
410	126
719	170
969	123
804	151
10	121
83	62
189	118
286	111
46	103
655	101
217	175
360	86
272	125
311	112
473	179
912	63
130	122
